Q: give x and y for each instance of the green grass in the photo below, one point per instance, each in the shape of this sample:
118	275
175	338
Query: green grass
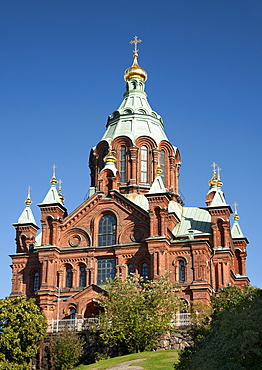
153	360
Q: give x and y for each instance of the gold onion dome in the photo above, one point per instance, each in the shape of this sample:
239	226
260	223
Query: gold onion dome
213	180
158	171
135	71
110	157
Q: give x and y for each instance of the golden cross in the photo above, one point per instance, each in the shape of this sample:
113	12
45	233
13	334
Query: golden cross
135	42
60	184
214	167
28	191
218	172
54	167
235	206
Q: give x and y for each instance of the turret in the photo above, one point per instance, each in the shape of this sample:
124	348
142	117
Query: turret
219	210
26	228
53	212
240	243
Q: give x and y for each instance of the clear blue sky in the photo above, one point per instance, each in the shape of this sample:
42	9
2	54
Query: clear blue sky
62	65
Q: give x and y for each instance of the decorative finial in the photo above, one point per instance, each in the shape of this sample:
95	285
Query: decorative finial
28	199
135	71
219	182
213	180
235	217
110	156
61	197
135	42
53	180
159	171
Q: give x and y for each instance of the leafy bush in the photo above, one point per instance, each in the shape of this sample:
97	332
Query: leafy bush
66	349
22	327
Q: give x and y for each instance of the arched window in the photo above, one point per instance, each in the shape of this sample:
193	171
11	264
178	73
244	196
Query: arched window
130	269
144	164
68	278
72	313
122	163
181	271
107	231
144	271
36	281
82	276
162	164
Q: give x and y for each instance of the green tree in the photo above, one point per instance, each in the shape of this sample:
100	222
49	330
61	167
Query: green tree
233	340
136	313
66	349
22	326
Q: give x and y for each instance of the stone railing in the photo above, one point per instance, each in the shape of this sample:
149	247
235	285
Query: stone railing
80	324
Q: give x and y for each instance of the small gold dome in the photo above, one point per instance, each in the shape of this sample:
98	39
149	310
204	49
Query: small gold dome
236	217
110	156
28	201
159	171
135	72
213	181
53	180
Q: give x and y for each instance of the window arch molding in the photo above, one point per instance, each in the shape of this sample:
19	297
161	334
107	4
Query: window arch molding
35	278
67	277
144	269
145	167
121	149
94	224
106	232
101	151
82	276
180	265
130	267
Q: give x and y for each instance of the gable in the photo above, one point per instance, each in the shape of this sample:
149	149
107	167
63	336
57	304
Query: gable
80	228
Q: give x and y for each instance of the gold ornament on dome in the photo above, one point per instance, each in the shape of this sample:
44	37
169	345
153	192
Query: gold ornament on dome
28	199
235	217
135	71
61	197
53	180
213	180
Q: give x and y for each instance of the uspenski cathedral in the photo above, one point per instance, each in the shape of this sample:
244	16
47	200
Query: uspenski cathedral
133	221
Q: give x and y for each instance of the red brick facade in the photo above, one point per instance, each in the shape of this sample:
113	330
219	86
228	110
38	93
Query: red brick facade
125	227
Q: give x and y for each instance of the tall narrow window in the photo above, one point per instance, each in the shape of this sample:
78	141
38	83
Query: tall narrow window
105	270
122	163
162	164
68	277
181	271
36	281
107	231
144	164
130	269
72	313
144	271
82	276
